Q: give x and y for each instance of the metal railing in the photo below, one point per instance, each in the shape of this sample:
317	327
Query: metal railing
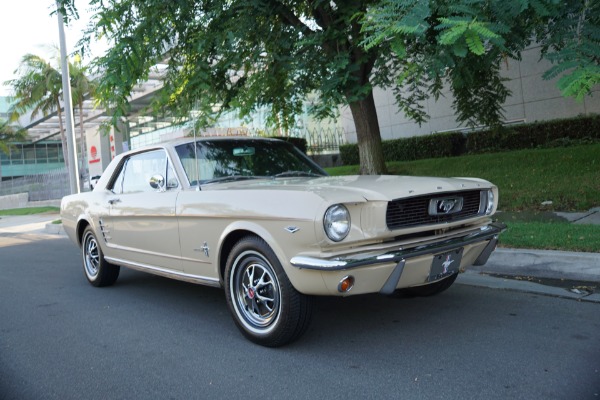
322	140
318	140
49	186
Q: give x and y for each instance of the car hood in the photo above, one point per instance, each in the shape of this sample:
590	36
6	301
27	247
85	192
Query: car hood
359	187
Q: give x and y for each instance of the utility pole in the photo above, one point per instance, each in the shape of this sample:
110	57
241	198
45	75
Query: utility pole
68	104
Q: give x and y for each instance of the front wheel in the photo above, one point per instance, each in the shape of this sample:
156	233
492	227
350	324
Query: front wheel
265	306
98	271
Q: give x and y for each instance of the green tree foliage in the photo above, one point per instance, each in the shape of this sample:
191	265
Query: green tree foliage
572	43
244	54
467	40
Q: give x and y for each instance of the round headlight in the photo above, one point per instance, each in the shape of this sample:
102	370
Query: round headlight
490	202
337	222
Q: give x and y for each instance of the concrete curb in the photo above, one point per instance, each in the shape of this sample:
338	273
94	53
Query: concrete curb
54	229
543	264
473	278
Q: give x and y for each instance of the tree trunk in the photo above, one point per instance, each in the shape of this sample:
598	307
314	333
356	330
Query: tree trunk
63	138
368	135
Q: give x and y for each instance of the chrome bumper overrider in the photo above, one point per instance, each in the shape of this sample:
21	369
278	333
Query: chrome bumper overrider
489	232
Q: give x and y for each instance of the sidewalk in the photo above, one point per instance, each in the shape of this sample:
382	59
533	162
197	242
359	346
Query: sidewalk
590	217
36	223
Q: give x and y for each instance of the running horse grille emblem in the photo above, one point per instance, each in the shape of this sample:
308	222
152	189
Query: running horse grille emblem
446	205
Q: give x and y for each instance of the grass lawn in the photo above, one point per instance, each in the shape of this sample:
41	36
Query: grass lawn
569	177
551	236
29	211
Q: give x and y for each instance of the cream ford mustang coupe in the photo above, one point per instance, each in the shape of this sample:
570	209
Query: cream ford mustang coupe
260	219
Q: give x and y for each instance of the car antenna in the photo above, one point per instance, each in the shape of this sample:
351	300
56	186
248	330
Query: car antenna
195	121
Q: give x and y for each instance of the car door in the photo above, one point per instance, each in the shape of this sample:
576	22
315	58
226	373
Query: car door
142	225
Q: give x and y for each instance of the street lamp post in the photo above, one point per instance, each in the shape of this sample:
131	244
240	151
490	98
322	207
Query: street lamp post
68	104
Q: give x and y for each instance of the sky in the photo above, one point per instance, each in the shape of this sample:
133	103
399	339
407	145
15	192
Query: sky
27	27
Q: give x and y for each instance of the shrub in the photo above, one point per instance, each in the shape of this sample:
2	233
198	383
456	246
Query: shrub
430	146
556	133
349	154
536	135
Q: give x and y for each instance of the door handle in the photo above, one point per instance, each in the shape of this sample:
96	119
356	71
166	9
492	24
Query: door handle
113	201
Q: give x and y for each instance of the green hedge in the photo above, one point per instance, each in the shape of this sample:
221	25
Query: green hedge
554	133
430	146
349	154
412	148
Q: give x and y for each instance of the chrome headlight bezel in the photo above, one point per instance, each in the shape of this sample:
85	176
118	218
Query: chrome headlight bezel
489	207
336	222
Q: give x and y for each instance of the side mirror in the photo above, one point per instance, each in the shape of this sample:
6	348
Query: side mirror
158	182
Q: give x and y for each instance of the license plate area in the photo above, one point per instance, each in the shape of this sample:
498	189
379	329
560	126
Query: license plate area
445	264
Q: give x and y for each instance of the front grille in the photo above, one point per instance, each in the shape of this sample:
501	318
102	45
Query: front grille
413	211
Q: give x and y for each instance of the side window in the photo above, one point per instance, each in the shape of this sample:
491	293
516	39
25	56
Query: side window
117	187
137	170
171	177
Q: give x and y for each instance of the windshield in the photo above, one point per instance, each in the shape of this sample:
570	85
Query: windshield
229	159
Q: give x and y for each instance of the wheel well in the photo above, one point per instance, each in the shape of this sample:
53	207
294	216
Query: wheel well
226	247
80	228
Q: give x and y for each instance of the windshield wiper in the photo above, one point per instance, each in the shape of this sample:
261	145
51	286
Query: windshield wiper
296	173
231	178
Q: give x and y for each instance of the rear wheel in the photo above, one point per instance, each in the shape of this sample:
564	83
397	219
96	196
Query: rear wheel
265	306
97	270
426	290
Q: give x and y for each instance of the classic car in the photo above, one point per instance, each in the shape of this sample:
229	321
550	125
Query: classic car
260	219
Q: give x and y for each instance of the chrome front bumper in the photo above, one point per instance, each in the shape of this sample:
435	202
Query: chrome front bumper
486	233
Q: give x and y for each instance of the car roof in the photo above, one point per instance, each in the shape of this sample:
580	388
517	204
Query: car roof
172	143
189	139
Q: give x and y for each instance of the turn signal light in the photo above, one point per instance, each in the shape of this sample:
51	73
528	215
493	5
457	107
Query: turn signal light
346	284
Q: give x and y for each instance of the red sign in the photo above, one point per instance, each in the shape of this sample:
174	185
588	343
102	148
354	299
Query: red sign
94	155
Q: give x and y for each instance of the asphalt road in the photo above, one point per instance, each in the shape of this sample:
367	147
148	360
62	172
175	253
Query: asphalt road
152	338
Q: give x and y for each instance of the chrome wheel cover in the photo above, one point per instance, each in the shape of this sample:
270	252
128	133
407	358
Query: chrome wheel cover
255	292
91	256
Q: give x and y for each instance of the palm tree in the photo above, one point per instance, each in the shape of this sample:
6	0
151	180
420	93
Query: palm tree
38	90
82	87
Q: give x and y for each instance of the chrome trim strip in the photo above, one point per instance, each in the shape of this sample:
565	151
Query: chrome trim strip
488	232
167	273
144	252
